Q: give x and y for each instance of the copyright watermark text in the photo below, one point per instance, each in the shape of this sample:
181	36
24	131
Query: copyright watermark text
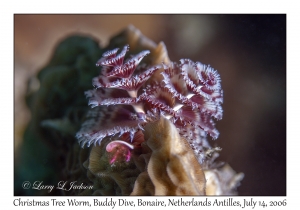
61	185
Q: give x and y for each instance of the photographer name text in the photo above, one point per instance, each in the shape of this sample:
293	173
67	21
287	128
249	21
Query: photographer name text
61	185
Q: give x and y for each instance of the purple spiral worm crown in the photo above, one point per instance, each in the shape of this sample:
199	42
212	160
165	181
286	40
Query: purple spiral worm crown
126	98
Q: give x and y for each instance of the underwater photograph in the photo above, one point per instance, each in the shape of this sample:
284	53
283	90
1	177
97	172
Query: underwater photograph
150	105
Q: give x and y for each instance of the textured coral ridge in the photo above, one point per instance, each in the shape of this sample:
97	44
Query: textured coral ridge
188	94
178	171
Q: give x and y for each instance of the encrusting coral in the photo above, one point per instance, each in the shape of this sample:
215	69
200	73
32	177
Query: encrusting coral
173	168
146	131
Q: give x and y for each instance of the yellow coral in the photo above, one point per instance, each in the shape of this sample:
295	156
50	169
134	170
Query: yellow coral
173	168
